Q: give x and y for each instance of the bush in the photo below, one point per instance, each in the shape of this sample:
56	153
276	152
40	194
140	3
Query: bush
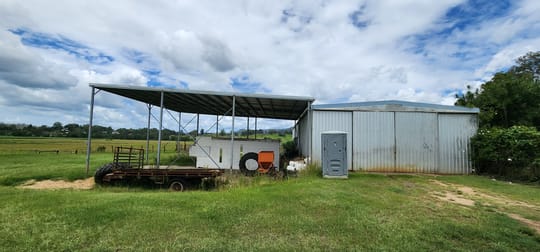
289	149
512	153
289	152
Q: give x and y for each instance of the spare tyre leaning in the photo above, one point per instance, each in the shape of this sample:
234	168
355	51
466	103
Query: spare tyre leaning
101	172
249	163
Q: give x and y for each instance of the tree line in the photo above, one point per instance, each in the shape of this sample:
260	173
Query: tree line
508	141
74	130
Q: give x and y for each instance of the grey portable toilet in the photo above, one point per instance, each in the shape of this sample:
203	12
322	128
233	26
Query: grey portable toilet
334	154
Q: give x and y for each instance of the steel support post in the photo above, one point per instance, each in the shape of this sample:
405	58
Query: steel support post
159	133
197	134
89	141
148	131
255	127
217	125
310	127
247	128
179	130
232	130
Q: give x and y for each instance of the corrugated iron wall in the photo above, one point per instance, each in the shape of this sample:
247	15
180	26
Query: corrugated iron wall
331	121
416	142
373	141
455	131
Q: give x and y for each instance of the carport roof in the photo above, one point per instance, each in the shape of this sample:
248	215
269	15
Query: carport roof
214	103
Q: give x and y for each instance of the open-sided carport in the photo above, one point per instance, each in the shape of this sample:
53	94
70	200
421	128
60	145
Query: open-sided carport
203	102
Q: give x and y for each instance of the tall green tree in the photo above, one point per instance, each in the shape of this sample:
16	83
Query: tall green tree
509	98
528	64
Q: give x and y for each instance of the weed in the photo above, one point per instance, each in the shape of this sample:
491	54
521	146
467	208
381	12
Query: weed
313	170
180	159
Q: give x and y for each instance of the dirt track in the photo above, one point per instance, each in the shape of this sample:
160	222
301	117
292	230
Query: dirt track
468	196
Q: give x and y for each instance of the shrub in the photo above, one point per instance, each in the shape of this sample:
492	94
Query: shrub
288	152
289	149
512	153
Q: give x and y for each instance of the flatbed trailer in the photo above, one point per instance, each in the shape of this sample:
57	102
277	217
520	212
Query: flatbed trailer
174	179
127	167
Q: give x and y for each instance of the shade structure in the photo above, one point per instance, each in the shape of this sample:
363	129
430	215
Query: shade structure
215	103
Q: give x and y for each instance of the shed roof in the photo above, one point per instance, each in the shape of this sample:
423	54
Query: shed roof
394	105
214	103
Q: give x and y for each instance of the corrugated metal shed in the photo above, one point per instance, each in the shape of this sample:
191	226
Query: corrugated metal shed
374	141
396	136
331	121
416	142
455	132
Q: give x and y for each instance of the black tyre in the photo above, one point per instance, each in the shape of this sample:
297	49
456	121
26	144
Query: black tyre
249	163
177	185
101	172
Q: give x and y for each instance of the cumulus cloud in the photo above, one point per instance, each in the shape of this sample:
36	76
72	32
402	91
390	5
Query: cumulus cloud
335	51
217	54
189	52
20	66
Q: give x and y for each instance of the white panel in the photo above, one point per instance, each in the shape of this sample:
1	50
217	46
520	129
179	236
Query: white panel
241	146
331	121
416	142
455	131
373	141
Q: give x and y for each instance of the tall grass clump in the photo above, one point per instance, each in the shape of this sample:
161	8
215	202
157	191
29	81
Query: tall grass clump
233	180
312	170
180	159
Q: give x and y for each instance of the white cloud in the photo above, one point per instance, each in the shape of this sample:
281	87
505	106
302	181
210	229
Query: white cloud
288	47
22	67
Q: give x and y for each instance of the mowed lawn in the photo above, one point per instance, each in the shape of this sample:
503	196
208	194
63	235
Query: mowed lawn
304	213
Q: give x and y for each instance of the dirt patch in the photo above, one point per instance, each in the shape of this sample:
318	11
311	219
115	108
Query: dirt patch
467	196
455	198
475	194
439	183
81	184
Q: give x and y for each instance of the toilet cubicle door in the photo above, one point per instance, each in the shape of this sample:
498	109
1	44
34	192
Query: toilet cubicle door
334	154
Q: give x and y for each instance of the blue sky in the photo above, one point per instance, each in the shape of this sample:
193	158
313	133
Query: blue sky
335	51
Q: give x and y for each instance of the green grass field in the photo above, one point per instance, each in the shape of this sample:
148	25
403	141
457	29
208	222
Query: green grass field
304	213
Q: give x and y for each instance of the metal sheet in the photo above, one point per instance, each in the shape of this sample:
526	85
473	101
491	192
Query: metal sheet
455	131
215	103
302	132
396	106
374	141
331	121
416	142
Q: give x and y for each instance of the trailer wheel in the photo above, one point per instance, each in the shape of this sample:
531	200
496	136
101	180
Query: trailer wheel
249	163
177	185
101	172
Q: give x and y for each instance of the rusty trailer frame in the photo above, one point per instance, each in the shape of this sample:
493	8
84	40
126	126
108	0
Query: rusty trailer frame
128	167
